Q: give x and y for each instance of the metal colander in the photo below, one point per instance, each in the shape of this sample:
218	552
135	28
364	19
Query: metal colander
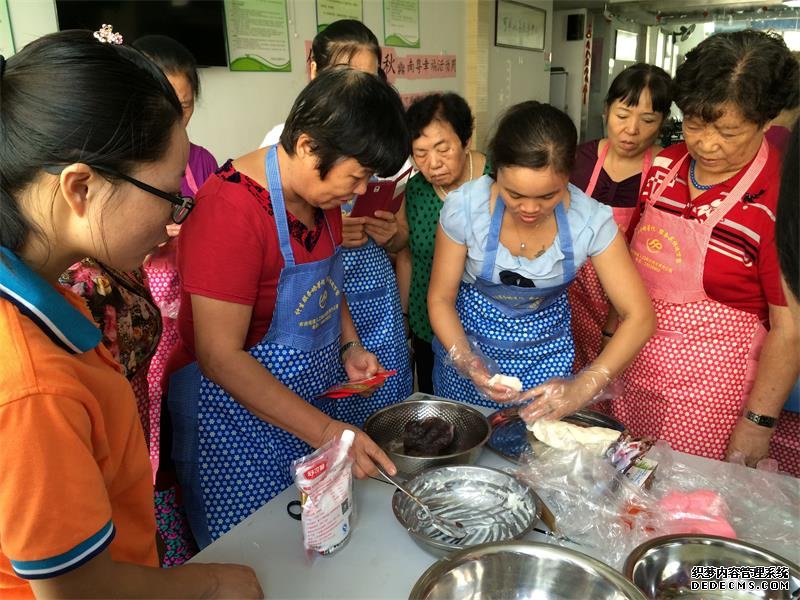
471	431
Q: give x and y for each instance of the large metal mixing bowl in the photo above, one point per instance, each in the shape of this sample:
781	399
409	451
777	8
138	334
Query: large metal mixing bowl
471	430
662	568
491	505
522	570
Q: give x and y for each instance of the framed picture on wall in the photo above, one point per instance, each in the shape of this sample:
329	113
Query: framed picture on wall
519	25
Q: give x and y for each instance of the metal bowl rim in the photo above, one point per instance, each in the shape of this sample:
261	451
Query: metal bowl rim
448	547
642	549
460	405
448	563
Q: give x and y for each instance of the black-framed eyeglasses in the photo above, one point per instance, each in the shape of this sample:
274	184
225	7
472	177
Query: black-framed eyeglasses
181	205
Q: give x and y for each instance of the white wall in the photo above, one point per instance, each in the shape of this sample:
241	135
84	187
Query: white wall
570	56
237	108
519	75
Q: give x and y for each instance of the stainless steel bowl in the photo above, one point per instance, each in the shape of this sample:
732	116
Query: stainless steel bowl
492	506
662	568
519	570
471	430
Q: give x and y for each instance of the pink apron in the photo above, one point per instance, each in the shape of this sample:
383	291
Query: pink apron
165	287
586	296
688	384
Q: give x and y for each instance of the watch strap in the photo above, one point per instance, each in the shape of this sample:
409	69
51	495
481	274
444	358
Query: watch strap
762	420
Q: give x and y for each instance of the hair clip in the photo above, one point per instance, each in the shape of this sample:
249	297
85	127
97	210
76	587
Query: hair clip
106	35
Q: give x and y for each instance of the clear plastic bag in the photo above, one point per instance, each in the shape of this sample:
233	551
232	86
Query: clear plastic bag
325	481
598	508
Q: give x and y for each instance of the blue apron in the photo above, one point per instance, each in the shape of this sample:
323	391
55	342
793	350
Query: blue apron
370	285
229	461
527	331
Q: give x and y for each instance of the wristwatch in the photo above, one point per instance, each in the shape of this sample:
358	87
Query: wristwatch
762	420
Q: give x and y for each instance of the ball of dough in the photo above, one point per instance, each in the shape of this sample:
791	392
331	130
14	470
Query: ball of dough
510	382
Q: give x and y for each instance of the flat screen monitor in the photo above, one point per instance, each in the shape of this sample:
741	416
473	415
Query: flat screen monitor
197	24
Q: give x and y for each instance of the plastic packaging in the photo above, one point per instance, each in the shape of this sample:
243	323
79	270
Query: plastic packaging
325	481
596	507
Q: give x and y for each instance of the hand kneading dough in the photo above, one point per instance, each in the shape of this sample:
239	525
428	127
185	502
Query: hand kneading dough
510	382
566	436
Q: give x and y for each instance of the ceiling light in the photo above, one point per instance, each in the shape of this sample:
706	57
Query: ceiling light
792	3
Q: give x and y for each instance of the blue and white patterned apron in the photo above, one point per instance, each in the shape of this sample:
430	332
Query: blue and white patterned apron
229	461
370	285
527	331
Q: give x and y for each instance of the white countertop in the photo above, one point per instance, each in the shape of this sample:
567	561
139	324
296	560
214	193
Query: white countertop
379	561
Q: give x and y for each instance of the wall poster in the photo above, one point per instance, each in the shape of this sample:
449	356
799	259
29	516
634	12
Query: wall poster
258	35
401	23
329	11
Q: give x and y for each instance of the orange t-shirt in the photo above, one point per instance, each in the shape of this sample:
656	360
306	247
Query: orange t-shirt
75	475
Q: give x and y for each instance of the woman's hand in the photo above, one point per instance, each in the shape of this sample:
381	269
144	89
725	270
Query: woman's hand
353	232
382	227
748	441
359	363
559	397
364	451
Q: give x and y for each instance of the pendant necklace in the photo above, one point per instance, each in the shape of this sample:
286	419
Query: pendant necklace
522	244
443	192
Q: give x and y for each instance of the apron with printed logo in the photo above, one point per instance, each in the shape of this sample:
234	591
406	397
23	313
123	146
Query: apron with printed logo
688	384
229	461
587	298
526	331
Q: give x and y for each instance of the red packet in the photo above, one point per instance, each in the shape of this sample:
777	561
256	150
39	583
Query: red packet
350	388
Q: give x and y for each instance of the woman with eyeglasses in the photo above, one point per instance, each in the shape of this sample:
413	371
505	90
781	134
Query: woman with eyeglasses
507	247
261	343
91	156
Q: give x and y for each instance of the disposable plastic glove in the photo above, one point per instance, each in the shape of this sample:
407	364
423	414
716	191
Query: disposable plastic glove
559	397
474	365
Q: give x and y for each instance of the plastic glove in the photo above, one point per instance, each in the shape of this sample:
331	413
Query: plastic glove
559	397
474	365
749	440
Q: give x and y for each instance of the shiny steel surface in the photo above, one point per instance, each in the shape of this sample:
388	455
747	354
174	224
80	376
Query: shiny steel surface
522	570
471	431
510	437
662	567
453	529
490	504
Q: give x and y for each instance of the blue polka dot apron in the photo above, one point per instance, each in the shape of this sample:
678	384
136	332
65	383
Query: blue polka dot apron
370	286
526	331
229	461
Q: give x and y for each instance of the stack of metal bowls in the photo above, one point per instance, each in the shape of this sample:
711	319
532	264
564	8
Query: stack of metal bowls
470	433
490	504
707	566
498	571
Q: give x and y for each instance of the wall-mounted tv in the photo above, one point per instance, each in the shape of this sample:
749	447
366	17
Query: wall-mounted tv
197	24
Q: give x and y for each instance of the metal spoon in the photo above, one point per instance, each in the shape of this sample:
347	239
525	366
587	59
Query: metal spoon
453	529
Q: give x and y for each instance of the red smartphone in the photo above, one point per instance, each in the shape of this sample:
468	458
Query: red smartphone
385	195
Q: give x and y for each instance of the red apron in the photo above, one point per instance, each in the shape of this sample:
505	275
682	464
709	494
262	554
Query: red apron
688	384
165	287
586	296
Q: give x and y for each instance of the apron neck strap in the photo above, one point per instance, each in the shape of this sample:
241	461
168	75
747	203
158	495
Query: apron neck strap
647	162
493	240
191	182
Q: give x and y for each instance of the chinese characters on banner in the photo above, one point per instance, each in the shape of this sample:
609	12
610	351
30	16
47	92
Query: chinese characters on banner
409	66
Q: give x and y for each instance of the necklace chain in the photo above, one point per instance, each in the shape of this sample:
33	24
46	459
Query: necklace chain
444	192
697	185
522	244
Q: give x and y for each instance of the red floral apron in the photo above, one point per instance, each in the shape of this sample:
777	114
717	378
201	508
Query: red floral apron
586	296
688	384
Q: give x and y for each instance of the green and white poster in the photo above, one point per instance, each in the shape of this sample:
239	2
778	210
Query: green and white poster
258	35
329	11
401	23
6	36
